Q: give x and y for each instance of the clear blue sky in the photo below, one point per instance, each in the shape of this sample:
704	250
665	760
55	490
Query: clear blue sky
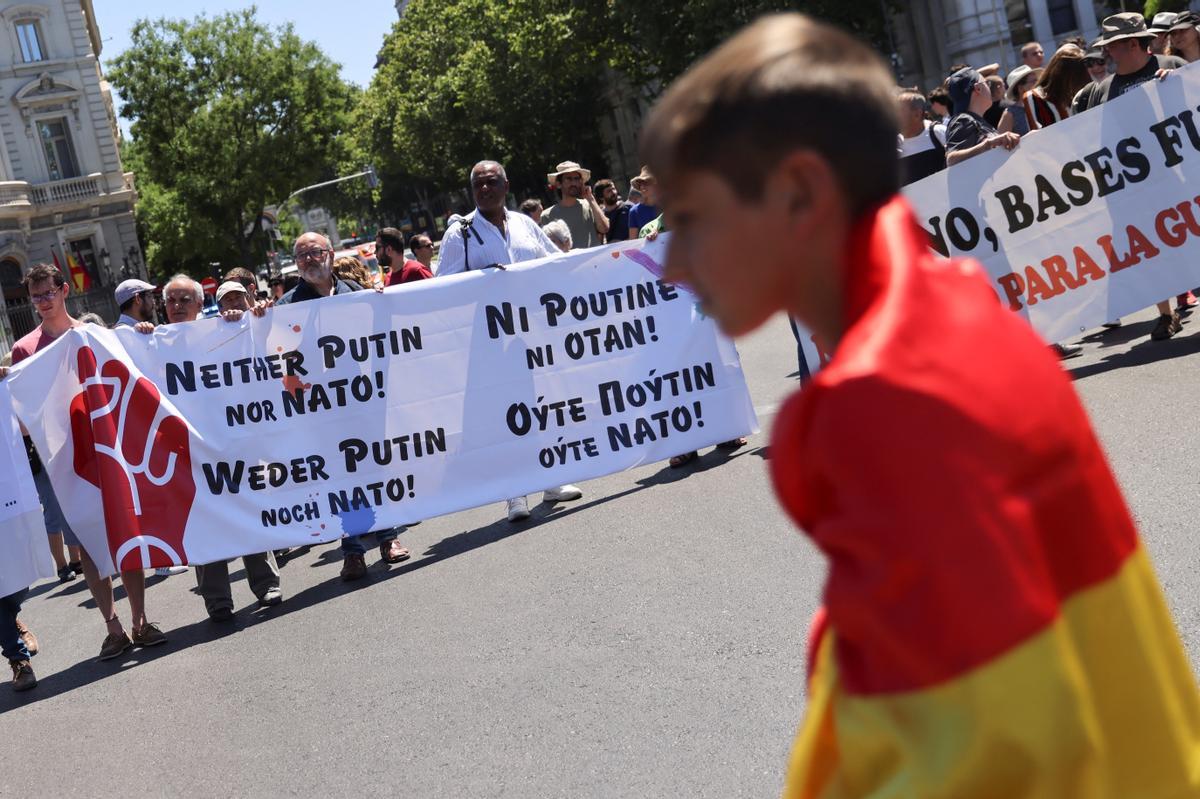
349	31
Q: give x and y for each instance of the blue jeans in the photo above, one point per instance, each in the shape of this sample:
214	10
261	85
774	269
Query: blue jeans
802	366
11	645
357	544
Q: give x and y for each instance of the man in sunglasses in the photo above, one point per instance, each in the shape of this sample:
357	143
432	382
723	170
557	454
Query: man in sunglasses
389	251
314	259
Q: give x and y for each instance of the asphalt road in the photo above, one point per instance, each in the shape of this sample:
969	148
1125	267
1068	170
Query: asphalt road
646	641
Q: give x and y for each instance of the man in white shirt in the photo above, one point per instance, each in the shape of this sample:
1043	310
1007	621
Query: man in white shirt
491	235
922	143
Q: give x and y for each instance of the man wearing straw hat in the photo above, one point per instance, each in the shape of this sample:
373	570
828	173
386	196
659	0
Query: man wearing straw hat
577	207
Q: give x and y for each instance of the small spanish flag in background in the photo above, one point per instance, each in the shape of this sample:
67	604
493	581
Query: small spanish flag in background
80	279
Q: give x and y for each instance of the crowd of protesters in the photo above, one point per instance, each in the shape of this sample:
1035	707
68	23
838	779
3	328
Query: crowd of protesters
975	109
586	215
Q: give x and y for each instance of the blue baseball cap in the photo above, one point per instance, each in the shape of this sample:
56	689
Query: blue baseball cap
959	87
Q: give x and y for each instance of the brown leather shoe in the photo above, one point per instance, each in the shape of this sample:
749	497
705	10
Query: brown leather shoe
31	641
354	567
148	635
114	644
23	678
391	552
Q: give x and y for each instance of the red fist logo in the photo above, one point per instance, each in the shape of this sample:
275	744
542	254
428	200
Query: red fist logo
138	455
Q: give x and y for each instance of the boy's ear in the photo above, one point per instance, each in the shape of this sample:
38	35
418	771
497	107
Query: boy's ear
805	185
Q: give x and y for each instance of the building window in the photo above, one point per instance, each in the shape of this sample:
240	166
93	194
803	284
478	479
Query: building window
30	41
1062	16
60	153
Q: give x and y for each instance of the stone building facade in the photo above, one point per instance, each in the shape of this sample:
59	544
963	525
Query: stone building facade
63	192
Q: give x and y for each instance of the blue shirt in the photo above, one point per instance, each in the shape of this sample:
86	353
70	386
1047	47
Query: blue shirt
642	214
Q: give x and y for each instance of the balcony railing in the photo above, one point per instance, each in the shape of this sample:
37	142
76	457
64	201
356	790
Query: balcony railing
14	192
69	190
58	192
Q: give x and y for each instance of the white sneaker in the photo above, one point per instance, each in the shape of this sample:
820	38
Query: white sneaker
167	571
562	494
518	509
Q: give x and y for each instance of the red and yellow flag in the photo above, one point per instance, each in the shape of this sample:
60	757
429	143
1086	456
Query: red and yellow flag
993	626
80	279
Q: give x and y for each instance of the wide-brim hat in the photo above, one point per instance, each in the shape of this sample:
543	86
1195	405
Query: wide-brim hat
1188	19
1128	25
1015	77
566	168
1162	22
642	178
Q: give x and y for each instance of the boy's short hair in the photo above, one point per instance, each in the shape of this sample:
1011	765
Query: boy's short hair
39	272
530	205
785	83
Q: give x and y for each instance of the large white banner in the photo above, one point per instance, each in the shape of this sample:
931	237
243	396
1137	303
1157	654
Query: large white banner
24	554
359	412
1089	219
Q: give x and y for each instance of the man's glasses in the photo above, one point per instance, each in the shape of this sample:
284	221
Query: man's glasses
314	254
423	246
42	299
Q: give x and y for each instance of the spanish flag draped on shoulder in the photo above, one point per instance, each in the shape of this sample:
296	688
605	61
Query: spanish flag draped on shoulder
992	626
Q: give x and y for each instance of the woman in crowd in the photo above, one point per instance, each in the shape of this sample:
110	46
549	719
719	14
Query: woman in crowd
1050	100
1183	38
1020	81
350	268
1097	64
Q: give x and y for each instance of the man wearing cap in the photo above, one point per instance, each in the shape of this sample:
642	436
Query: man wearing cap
969	134
184	296
136	301
577	205
232	296
1160	26
1125	39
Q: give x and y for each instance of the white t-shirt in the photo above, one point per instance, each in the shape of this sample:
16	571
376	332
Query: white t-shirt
524	241
921	142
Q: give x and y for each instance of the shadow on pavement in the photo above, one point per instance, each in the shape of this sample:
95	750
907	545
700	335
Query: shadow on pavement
1140	354
204	631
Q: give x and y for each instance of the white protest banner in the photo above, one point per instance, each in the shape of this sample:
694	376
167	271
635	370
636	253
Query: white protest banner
24	553
1086	220
364	411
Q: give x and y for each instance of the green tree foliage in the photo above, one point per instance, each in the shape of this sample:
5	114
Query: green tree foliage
229	116
1155	6
174	240
654	42
520	82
